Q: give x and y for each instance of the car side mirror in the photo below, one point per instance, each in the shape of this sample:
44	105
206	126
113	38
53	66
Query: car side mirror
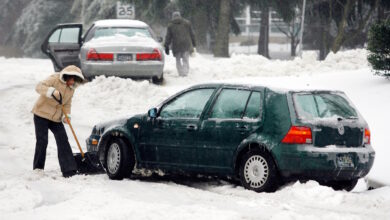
160	39
152	113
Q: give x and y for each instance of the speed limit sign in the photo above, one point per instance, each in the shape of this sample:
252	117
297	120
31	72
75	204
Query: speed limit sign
125	10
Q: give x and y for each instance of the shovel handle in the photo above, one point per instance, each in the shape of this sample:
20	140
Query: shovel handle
71	128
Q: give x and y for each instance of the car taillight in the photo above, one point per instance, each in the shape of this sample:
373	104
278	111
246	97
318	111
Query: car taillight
298	135
155	55
367	136
93	55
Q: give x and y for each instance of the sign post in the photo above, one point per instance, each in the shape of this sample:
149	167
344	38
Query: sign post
125	10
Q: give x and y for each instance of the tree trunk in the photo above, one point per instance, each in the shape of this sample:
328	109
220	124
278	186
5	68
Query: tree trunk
222	42
293	46
264	35
324	42
262	47
325	27
341	28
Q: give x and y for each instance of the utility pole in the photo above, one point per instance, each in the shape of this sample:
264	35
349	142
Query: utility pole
302	24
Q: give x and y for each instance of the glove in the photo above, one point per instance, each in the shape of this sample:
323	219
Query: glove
64	119
167	50
193	52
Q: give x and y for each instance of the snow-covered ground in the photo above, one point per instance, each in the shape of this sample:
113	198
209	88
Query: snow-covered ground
46	195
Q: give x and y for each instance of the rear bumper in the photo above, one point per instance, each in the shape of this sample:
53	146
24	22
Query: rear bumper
325	163
146	69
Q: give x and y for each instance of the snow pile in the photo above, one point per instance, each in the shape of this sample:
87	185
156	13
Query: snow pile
208	68
112	97
347	60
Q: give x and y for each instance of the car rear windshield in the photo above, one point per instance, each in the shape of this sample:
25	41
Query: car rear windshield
125	31
322	105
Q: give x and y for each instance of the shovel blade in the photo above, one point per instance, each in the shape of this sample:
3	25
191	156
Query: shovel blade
90	164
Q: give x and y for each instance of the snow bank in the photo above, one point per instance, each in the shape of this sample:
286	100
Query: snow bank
208	68
112	97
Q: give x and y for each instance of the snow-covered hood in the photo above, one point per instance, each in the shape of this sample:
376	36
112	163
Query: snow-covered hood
103	126
100	128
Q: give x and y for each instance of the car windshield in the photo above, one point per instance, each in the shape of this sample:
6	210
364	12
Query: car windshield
125	31
323	105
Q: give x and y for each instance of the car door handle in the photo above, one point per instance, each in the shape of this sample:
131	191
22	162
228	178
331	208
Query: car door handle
191	127
242	129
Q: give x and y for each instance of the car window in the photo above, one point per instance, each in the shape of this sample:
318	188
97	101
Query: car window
230	104
306	106
187	105
89	33
70	35
125	31
253	108
55	36
323	105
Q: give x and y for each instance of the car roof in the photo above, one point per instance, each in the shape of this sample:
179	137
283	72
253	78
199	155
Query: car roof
226	85
260	87
120	23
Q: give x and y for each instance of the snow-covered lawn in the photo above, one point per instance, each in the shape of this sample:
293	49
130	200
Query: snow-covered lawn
26	194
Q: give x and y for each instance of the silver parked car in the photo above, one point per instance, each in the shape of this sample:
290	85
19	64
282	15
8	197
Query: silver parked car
123	48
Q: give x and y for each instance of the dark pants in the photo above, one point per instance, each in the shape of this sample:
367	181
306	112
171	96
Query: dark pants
65	155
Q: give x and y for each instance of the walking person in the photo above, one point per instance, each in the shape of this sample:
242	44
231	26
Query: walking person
57	88
182	38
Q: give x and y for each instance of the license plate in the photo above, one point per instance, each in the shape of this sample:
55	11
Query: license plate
345	161
124	57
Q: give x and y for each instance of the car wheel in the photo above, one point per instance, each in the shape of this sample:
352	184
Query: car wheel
258	171
119	160
158	80
346	185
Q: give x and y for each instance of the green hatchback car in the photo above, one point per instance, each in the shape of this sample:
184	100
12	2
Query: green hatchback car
258	135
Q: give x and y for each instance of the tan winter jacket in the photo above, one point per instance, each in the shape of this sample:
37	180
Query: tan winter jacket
46	106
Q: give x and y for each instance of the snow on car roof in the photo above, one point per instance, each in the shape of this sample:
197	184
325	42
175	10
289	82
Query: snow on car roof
285	89
120	23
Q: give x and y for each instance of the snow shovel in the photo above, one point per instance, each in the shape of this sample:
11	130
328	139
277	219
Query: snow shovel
87	163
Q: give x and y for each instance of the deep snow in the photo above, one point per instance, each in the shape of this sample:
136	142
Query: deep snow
46	195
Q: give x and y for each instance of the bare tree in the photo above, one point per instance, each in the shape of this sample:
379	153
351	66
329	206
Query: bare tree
222	40
262	46
292	32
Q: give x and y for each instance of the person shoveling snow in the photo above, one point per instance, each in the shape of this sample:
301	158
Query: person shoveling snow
48	114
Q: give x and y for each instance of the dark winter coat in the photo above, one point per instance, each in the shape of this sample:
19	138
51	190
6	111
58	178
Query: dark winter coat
181	35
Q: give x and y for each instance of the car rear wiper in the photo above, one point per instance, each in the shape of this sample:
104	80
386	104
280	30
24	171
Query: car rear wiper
348	118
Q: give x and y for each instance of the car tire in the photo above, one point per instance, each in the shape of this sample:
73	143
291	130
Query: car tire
119	159
258	171
158	80
346	185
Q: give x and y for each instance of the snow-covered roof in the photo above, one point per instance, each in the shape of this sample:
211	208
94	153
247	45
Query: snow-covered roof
120	23
274	88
